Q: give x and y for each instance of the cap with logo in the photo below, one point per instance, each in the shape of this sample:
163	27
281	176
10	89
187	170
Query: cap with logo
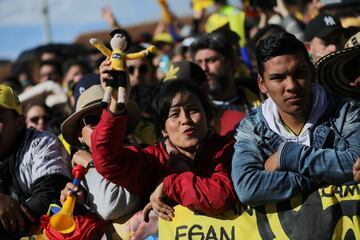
9	99
322	26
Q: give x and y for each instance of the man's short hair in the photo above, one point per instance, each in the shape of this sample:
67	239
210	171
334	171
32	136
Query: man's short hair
278	44
215	41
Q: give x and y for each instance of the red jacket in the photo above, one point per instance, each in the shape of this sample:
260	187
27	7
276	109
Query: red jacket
207	188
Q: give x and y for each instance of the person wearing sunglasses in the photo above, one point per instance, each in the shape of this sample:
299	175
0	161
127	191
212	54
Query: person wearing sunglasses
107	200
140	70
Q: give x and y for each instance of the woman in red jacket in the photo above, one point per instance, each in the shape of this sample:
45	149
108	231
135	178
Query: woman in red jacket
189	166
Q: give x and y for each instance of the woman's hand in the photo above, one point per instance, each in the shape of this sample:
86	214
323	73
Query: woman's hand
81	157
104	71
158	206
69	190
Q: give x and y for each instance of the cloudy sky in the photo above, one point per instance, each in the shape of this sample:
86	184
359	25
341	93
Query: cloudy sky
21	22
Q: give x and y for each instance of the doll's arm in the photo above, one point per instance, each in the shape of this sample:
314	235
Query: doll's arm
140	54
101	47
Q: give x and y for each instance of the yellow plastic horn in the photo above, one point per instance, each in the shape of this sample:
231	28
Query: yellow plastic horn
63	221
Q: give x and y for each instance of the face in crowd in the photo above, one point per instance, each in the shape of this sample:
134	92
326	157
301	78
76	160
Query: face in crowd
318	48
186	125
285	74
287	80
139	71
87	124
10	125
49	71
37	117
183	113
216	68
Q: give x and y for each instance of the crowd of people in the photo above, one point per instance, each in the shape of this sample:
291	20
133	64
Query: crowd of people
255	112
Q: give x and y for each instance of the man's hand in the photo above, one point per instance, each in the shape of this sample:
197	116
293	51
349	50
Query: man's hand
13	214
69	190
271	164
356	170
160	208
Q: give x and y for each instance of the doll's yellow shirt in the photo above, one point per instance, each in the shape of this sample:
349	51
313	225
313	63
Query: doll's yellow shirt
118	59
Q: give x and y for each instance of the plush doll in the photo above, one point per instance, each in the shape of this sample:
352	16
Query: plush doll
119	42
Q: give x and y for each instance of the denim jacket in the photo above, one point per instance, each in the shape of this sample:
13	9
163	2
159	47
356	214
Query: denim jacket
335	145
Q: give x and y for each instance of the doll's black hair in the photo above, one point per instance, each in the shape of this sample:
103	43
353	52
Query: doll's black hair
125	33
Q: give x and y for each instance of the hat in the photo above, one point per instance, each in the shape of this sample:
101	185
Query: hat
321	26
187	71
89	101
215	21
336	70
163	38
84	83
9	99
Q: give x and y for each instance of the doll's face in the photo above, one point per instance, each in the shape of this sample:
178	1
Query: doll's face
118	41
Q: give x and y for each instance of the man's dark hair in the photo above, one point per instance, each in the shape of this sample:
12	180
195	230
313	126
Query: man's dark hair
166	93
215	41
278	44
269	29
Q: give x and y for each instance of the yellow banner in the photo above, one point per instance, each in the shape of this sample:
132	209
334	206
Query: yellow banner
331	212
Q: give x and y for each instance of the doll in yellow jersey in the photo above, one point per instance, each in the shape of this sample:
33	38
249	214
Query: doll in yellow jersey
119	42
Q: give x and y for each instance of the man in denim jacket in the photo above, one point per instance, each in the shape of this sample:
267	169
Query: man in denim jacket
300	137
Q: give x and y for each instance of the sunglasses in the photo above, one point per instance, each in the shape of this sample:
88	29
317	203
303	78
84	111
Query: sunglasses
91	120
36	119
143	69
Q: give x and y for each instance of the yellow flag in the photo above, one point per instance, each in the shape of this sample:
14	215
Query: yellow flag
199	5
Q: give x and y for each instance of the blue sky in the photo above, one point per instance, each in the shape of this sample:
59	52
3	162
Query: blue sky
21	24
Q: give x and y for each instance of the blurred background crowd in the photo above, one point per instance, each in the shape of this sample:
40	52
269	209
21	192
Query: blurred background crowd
45	76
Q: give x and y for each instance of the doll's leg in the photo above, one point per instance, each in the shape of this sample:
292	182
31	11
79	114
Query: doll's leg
121	89
110	85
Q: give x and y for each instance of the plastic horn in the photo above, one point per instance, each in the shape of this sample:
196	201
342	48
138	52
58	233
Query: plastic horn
63	221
